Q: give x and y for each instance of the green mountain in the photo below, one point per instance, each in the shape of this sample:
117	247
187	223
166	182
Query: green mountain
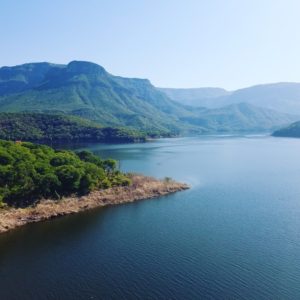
87	90
292	130
23	77
60	128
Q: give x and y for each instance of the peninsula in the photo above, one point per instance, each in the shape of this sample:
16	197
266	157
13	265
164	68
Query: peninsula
38	183
141	187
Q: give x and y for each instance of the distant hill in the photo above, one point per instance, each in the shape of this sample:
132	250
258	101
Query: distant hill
60	128
292	130
283	97
87	90
194	96
241	117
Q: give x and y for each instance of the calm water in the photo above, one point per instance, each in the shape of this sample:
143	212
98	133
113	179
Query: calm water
234	235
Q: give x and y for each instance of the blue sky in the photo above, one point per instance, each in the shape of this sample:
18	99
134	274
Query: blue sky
174	43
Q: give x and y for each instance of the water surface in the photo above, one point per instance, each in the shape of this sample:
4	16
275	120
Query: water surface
234	235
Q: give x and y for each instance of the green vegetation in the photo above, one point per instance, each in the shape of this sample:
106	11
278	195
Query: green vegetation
292	130
87	90
60	128
29	172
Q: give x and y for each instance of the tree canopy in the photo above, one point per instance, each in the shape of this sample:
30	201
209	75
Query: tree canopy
57	128
29	172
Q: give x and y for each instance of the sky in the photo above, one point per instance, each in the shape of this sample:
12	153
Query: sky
174	43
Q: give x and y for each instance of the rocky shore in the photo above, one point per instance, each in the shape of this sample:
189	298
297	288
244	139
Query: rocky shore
142	187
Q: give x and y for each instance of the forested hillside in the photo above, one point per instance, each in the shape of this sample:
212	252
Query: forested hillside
60	128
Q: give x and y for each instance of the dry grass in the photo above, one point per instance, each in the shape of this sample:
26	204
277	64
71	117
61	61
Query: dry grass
142	187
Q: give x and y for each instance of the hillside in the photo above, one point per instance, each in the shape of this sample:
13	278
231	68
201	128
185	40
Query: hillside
194	96
283	97
87	90
241	117
60	128
292	130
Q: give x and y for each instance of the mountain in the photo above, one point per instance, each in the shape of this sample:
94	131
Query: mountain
23	77
87	90
194	96
60	129
283	97
292	130
241	117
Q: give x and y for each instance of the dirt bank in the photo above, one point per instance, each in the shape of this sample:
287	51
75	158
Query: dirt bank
142	187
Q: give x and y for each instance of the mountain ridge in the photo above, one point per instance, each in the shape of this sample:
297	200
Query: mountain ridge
281	96
84	88
87	90
241	118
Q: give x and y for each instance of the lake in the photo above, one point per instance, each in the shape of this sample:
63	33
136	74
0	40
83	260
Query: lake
234	235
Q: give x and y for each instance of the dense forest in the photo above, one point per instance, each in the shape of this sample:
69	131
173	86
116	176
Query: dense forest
37	127
29	172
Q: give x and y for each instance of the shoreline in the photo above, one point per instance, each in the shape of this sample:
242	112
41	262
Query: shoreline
142	187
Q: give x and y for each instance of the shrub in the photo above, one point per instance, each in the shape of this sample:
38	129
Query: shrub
167	179
5	158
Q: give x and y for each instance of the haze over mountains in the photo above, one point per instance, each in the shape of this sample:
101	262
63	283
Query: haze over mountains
283	97
86	89
194	96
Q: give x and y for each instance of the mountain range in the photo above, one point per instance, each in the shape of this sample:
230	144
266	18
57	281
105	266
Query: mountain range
87	90
283	96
